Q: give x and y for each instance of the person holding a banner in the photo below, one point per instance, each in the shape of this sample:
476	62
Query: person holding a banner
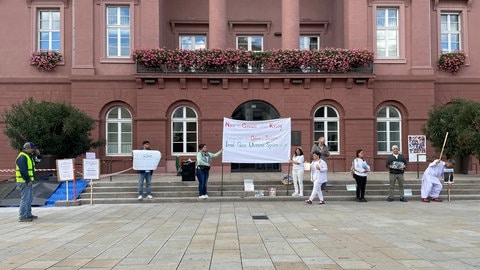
204	159
431	186
298	171
318	171
145	176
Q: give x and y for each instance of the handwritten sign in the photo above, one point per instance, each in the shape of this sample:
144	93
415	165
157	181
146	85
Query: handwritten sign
256	141
65	169
91	168
146	160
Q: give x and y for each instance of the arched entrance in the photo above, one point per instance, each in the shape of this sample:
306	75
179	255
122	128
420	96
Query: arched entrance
255	110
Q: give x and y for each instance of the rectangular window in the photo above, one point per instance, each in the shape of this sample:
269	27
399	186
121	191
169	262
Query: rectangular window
193	42
118	31
49	30
309	43
387	32
250	43
450	27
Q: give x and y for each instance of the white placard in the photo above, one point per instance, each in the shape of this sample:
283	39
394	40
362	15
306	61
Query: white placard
248	183
90	155
407	192
146	160
91	168
351	187
65	169
266	141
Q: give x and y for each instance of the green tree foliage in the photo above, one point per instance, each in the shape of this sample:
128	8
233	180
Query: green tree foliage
461	119
57	128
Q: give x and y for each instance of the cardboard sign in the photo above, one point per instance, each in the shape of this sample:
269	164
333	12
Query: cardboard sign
146	160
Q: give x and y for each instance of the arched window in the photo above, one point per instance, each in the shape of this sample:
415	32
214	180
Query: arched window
184	131
326	124
119	131
389	123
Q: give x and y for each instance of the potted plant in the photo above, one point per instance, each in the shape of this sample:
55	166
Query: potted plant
452	62
45	60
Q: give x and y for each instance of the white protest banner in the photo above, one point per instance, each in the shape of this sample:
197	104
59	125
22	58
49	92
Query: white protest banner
256	141
146	160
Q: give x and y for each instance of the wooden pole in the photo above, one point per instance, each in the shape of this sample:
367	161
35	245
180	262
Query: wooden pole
444	141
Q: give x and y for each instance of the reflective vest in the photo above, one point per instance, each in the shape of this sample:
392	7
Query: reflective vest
30	168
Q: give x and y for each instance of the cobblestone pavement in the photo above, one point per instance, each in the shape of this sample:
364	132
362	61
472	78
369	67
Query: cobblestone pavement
245	235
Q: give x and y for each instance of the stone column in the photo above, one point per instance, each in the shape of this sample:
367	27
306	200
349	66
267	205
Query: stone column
83	34
290	24
217	25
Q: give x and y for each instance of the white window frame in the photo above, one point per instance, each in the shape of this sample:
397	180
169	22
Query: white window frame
454	7
123	148
401	27
53	26
193	40
184	121
449	32
306	41
389	120
119	27
250	39
327	132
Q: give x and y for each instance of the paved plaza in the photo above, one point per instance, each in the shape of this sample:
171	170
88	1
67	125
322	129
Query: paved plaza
245	235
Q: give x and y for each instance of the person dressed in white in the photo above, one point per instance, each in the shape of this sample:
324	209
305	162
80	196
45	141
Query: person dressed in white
431	186
298	171
318	170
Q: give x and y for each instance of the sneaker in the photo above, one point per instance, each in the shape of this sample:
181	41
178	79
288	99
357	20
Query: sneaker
206	196
33	217
308	202
389	199
201	197
300	195
140	197
402	199
295	194
321	202
149	197
25	219
437	200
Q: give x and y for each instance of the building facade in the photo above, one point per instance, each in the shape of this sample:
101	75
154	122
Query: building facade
176	111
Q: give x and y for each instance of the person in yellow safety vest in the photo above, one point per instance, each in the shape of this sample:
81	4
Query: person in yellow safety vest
25	175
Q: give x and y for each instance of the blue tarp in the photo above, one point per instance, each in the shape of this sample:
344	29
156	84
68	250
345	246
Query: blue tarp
61	193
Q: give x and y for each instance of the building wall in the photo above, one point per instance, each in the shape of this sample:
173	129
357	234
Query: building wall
94	83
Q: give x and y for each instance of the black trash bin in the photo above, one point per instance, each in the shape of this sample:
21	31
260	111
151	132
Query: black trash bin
188	171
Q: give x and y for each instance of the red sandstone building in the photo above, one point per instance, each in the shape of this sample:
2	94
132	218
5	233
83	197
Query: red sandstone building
176	111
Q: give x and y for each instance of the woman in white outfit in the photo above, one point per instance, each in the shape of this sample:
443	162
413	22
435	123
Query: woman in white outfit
318	170
298	172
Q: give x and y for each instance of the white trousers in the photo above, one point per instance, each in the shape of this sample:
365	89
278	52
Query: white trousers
298	181
431	187
317	190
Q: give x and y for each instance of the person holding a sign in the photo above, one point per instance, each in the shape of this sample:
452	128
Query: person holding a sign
396	163
298	171
360	169
318	171
25	175
204	159
145	176
431	186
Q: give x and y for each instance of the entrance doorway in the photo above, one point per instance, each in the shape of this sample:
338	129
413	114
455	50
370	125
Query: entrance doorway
255	110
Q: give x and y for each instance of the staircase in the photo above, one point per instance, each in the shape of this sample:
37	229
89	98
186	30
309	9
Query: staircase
170	188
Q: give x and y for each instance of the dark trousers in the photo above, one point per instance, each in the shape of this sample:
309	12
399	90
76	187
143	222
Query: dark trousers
361	184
